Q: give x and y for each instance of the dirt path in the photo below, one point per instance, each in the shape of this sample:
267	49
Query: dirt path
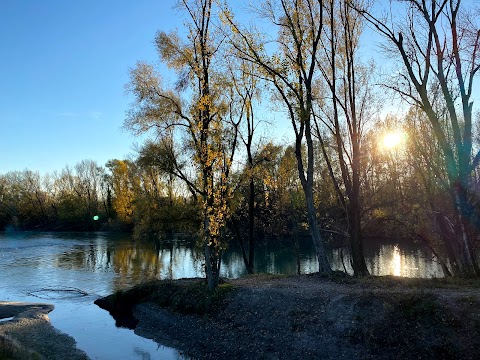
309	317
29	335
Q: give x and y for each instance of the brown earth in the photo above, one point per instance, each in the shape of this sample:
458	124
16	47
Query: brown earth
311	317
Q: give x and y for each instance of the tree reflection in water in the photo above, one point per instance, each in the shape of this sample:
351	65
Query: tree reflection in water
132	262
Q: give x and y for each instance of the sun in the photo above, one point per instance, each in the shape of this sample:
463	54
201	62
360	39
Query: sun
393	139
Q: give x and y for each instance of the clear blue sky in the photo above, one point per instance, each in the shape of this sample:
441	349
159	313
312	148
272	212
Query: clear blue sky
63	66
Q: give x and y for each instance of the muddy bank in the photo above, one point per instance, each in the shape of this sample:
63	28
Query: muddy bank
310	317
29	334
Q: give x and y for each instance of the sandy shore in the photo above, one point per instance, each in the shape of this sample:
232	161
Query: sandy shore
29	335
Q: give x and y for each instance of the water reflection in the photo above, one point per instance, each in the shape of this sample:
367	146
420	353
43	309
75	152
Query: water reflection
396	267
100	264
104	263
403	261
32	262
131	262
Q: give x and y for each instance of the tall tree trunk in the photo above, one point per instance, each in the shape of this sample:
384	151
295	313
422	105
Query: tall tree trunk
306	179
251	228
356	242
355	209
466	255
242	245
212	265
320	249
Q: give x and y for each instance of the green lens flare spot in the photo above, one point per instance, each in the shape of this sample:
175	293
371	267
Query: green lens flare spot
95	217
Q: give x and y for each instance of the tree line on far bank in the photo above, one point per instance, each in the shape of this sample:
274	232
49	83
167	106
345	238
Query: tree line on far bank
138	195
212	166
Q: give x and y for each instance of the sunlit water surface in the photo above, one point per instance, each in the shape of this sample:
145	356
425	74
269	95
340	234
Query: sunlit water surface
99	264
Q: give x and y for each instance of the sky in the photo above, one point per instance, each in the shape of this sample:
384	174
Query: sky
63	67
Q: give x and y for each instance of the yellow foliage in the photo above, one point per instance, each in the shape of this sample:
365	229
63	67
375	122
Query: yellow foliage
379	214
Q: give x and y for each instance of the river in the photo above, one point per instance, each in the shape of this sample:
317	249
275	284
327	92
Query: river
48	267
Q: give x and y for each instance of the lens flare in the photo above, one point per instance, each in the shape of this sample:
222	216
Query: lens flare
393	139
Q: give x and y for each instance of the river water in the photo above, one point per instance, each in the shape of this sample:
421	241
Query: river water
49	267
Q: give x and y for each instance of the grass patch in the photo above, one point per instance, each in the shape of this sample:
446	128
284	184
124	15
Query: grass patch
191	298
187	297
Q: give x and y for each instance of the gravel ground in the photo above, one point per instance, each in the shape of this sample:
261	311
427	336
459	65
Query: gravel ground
297	317
308	317
30	335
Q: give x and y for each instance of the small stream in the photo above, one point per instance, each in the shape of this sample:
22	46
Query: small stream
31	263
35	267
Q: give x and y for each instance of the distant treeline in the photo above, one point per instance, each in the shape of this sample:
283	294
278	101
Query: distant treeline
121	196
139	195
401	198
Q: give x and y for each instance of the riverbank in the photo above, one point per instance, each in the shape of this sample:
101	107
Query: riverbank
310	317
26	333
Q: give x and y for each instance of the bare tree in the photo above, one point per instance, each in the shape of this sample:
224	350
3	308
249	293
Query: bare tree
345	108
437	47
291	71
